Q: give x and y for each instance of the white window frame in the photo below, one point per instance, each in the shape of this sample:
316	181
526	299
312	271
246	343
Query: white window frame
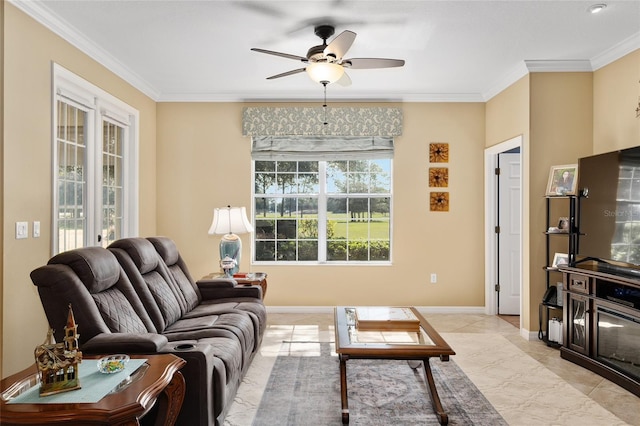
100	106
322	197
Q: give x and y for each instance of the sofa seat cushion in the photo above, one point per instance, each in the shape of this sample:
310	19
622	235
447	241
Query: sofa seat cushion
245	304
241	324
237	326
206	308
187	324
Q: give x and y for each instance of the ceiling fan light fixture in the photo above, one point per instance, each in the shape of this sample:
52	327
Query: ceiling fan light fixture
321	72
597	8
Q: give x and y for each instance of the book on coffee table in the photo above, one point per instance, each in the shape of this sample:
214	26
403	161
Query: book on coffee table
382	318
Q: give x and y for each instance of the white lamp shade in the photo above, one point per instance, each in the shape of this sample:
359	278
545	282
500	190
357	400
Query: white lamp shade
230	220
324	71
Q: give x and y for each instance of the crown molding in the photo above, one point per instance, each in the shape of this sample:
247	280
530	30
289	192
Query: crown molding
304	97
70	34
577	65
509	78
616	52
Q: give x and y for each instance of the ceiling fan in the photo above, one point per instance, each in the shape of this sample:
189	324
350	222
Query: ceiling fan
326	63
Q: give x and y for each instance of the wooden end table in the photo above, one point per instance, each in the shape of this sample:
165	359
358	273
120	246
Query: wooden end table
159	379
389	343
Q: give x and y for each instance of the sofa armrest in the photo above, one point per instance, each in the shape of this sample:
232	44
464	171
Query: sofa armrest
125	343
216	283
225	288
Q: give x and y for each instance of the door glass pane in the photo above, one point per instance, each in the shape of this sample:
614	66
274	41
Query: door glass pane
578	314
112	182
71	221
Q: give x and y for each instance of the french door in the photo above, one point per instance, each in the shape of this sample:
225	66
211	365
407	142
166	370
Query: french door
95	171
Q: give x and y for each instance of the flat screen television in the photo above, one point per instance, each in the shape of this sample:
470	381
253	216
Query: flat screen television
609	215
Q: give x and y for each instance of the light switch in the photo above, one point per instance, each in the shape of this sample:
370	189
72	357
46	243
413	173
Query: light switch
36	228
22	230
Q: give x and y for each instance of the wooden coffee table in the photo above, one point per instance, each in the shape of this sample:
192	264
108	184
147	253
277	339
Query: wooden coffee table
389	343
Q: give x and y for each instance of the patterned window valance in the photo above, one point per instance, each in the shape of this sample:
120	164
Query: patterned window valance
272	121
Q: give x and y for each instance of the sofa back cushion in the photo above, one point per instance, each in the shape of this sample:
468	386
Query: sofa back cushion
95	267
91	280
151	280
168	252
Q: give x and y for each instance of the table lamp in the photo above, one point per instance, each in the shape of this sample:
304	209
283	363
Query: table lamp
229	222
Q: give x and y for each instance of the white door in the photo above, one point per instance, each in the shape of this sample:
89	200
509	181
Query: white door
509	236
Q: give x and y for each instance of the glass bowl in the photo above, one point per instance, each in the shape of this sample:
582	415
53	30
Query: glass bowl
112	363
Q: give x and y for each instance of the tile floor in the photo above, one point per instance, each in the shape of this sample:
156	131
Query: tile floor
526	381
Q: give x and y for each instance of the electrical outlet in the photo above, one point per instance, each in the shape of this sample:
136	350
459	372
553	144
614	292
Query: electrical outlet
434	278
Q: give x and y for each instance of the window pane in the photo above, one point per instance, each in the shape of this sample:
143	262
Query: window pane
112	183
380	176
265	229
71	180
286	250
337	177
266	250
308	250
265	183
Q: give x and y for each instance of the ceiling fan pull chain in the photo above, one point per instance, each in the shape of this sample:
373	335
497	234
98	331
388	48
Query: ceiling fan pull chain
324	105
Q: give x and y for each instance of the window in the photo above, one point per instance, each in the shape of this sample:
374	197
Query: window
94	163
336	210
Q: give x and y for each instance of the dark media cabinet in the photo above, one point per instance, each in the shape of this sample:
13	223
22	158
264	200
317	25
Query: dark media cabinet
602	322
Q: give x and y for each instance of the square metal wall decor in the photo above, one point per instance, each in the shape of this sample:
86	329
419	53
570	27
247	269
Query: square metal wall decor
438	177
439	152
439	201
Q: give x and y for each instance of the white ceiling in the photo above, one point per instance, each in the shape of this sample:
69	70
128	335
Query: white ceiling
454	50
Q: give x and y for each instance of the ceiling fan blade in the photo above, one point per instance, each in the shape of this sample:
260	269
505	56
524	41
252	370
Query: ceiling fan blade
284	55
339	46
344	81
284	74
369	63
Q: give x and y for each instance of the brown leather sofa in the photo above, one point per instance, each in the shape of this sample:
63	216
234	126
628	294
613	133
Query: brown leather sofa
137	296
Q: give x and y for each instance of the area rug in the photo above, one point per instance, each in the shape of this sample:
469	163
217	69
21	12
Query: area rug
305	390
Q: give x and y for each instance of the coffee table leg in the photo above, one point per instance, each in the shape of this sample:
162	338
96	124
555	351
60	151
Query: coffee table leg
443	419
343	389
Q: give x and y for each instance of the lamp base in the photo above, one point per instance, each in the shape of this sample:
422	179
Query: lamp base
231	246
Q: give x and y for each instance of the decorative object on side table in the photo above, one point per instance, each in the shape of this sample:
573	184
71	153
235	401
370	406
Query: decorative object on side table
229	222
112	364
58	363
562	180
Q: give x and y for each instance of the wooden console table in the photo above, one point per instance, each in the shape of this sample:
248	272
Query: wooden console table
157	380
245	278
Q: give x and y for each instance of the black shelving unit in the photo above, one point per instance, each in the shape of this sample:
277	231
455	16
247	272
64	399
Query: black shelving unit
571	234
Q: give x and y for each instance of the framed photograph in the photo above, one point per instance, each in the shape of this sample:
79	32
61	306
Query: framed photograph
563	180
560	259
563	224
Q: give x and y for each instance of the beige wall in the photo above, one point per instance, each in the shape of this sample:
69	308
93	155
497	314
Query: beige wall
29	50
616	94
201	148
507	116
561	132
2	37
